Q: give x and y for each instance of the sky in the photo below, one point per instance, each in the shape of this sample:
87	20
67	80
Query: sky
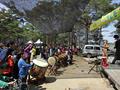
106	32
109	29
3	7
116	1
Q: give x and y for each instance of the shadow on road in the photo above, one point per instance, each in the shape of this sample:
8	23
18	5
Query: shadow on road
50	79
36	85
33	87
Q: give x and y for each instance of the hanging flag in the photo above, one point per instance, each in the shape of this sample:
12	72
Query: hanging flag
114	15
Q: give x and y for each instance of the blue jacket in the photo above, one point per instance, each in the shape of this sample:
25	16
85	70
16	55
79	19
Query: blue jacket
23	68
3	54
1	49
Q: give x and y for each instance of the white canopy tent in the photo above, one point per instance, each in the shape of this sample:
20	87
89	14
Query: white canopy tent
38	42
29	42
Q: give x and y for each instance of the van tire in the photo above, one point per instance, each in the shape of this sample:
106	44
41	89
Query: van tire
89	55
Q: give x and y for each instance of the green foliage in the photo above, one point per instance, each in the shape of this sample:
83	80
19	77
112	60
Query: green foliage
49	18
62	38
10	30
94	11
98	8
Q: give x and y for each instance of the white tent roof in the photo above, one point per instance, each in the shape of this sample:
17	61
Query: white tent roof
29	42
38	41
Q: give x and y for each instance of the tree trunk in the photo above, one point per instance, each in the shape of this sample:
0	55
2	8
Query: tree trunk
86	35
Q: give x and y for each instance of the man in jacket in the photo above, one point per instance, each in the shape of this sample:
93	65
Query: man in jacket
117	47
23	68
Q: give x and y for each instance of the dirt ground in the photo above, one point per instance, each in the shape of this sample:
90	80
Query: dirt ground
75	77
79	69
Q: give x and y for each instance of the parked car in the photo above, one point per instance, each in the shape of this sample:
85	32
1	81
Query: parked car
92	50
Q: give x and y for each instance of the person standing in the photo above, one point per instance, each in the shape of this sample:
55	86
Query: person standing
104	54
23	68
33	53
27	50
117	47
105	48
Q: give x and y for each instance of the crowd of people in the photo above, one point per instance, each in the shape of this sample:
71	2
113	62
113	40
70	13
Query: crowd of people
15	60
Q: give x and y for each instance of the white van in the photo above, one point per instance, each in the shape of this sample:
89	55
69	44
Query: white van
92	50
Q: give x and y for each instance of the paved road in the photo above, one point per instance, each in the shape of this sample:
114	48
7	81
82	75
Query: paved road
110	58
79	69
75	77
78	84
